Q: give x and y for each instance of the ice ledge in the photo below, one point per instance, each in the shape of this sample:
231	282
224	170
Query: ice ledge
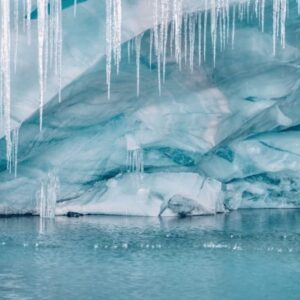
133	195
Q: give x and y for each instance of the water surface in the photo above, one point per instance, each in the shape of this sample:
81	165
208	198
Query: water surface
249	254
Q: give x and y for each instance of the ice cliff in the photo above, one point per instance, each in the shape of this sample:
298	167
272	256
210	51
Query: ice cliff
207	124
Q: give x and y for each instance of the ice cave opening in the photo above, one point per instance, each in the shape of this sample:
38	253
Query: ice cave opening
149	108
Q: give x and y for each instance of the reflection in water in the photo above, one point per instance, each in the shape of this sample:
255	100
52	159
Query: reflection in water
105	257
46	225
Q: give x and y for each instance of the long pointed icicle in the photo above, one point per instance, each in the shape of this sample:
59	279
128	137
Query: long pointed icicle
41	53
14	158
157	44
205	30
5	75
151	49
262	15
279	22
233	27
178	30
283	12
138	40
28	21
58	44
16	33
214	20
108	44
117	30
200	38
75	8
192	25
113	37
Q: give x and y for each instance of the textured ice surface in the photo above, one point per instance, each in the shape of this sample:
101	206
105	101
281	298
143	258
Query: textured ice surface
227	134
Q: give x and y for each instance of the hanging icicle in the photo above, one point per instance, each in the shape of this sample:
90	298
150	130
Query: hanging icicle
134	160
205	30
42	13
279	22
13	164
178	30
283	12
16	32
28	21
200	38
48	196
138	40
75	8
262	11
5	76
58	44
233	26
213	25
113	37
192	31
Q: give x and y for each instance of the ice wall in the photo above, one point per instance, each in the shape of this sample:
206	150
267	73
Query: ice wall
224	131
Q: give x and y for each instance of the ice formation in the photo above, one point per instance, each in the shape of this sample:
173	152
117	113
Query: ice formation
47	196
198	99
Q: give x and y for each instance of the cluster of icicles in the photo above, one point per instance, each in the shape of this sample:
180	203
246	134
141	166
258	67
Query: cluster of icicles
175	32
49	28
47	196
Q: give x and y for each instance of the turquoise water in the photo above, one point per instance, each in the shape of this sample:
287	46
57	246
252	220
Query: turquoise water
250	254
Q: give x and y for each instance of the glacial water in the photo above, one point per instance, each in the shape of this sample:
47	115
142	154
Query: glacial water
246	254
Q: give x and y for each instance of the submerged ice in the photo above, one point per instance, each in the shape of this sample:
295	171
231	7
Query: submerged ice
149	108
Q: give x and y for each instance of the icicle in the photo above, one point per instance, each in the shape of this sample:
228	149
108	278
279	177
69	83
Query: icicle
129	51
233	27
52	32
214	19
134	161
157	44
113	37
58	44
224	24
151	49
16	33
279	20
116	37
75	8
172	36
108	44
5	75
48	196
283	10
41	7
192	40
28	21
178	30
248	10
256	8
24	11
205	31
228	21
164	33
15	144
200	38
138	40
275	14
46	46
220	18
185	36
262	15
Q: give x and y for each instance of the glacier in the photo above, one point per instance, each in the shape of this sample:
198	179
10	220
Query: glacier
162	130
